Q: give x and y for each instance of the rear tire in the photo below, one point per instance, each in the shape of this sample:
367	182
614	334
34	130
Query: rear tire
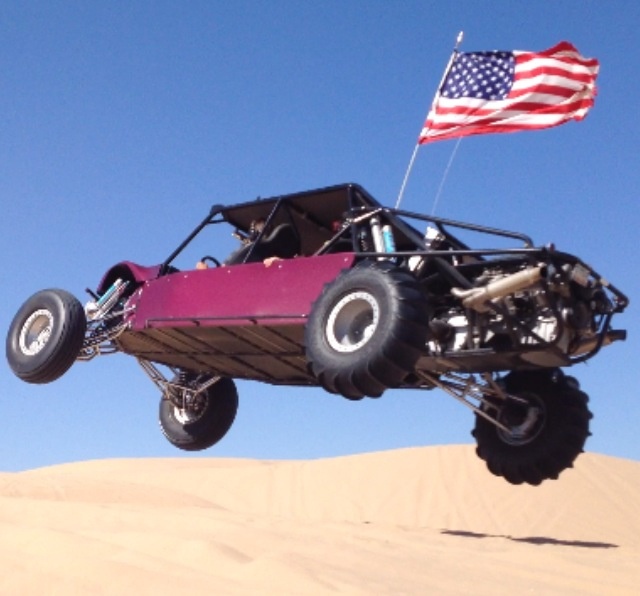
548	433
46	336
367	330
202	421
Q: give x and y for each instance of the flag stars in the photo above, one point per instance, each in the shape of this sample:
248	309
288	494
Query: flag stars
481	75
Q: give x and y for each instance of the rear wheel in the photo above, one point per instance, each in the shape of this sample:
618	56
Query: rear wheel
366	330
193	420
548	427
46	336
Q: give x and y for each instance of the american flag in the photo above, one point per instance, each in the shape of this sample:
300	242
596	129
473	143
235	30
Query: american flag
486	92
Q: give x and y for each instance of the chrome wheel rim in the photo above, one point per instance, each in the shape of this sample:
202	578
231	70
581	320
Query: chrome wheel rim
352	322
35	332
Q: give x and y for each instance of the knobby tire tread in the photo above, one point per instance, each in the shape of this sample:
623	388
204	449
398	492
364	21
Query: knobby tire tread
563	439
394	356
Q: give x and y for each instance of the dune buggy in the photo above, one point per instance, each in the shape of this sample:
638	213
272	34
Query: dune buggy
330	288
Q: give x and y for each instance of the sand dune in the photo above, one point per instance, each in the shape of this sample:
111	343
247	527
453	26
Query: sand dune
415	521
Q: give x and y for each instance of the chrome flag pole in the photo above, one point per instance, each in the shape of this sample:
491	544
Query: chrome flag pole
435	99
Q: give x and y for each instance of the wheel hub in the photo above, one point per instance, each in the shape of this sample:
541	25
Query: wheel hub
352	322
35	332
525	421
185	415
188	405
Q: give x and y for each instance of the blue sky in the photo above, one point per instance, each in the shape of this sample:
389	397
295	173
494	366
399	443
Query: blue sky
122	122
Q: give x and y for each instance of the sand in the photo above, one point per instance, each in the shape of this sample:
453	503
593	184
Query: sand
416	521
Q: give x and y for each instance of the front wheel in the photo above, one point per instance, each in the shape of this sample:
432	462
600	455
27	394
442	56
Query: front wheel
193	420
46	336
548	426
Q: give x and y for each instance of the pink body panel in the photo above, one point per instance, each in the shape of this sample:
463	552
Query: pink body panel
128	271
236	295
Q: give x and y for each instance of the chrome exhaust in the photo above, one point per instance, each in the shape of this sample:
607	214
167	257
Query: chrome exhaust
477	298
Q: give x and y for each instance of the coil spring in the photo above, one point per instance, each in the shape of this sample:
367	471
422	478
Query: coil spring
364	240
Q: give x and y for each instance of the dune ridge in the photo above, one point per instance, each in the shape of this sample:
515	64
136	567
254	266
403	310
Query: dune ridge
411	521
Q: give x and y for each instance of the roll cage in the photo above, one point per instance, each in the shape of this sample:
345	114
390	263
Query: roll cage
339	219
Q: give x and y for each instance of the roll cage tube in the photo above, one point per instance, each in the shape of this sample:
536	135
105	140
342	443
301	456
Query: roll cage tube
263	231
412	241
209	219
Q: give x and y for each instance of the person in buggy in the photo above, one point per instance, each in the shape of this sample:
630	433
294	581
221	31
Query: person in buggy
263	244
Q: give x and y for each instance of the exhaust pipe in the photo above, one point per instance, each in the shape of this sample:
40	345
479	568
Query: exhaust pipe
477	298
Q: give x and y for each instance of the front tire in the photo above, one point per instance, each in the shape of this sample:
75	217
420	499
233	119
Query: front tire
46	336
547	432
367	330
196	421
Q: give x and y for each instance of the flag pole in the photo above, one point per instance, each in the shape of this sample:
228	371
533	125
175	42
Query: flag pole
435	99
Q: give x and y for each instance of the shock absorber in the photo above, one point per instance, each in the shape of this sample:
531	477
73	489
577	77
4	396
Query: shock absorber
97	309
177	390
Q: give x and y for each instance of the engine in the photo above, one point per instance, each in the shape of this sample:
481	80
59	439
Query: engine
511	310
